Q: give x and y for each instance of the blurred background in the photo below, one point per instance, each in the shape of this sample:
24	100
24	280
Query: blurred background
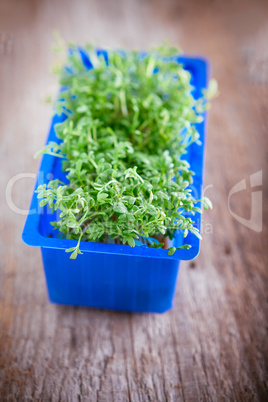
213	344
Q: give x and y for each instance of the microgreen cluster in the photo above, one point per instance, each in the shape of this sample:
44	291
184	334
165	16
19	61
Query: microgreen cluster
129	123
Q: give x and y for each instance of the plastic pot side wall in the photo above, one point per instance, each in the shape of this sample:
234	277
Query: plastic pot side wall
109	276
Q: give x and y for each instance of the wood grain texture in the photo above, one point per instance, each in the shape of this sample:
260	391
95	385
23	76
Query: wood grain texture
213	345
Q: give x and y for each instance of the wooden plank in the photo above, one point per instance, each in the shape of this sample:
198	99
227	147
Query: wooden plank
213	344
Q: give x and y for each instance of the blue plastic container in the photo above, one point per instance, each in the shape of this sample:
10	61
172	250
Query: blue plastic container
116	277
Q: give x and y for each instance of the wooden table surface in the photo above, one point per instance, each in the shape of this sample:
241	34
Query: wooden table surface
213	345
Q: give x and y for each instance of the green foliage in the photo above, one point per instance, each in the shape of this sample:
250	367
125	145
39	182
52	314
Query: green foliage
128	126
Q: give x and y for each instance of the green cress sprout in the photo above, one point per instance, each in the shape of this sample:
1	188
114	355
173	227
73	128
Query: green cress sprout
128	125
